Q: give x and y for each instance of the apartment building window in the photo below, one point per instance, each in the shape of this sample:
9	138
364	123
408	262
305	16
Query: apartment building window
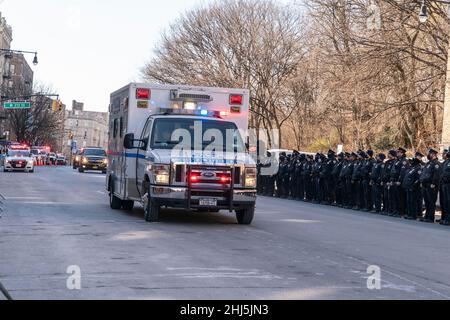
12	68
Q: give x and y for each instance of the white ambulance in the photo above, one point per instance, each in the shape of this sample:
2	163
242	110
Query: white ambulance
182	147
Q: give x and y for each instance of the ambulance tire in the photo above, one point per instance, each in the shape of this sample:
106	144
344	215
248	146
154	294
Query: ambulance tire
152	212
245	216
128	205
114	202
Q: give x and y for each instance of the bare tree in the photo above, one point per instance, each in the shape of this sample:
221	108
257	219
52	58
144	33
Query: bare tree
39	125
236	43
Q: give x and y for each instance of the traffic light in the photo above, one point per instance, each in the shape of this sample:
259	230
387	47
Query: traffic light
57	106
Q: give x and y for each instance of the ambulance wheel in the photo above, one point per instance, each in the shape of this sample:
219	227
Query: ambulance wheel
245	216
128	205
152	212
114	202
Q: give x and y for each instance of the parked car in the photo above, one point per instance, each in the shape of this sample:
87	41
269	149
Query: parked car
51	158
61	160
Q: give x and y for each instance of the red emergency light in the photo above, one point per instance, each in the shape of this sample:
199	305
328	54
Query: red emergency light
142	93
236	99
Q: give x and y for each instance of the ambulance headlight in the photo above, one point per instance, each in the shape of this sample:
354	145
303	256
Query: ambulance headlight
250	178
161	174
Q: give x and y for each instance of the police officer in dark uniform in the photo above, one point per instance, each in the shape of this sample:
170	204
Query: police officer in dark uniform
411	186
285	178
367	167
300	189
338	188
398	171
349	181
292	179
429	180
419	201
280	175
376	181
356	181
445	190
315	177
343	180
386	183
327	177
320	180
441	191
307	177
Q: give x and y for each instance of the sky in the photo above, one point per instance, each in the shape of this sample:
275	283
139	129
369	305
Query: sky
88	49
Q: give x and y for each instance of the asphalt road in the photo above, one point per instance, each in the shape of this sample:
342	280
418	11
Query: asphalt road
58	218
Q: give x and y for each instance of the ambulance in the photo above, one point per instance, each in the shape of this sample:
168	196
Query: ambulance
183	147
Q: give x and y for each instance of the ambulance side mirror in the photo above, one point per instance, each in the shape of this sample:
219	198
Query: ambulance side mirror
128	141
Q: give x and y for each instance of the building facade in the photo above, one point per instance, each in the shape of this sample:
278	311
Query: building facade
84	129
5	43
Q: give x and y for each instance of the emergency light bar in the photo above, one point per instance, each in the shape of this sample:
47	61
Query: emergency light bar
198	112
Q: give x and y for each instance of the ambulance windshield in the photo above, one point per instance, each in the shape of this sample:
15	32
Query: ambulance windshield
196	134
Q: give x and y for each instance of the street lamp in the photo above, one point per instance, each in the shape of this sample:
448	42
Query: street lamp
423	16
35	60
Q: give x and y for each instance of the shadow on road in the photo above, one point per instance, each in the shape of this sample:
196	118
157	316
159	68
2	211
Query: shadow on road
172	216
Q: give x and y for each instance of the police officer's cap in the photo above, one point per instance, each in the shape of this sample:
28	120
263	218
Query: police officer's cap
370	153
419	155
401	150
354	155
432	151
342	155
393	153
382	156
331	152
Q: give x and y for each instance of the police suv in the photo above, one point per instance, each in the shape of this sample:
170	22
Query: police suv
19	158
180	147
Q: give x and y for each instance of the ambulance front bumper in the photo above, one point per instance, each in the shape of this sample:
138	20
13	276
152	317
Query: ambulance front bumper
180	198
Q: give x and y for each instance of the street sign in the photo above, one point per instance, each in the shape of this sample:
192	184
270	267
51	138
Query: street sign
17	105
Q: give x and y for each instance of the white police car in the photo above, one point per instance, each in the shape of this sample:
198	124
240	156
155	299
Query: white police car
19	158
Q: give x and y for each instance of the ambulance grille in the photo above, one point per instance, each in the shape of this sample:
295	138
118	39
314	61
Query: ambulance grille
196	97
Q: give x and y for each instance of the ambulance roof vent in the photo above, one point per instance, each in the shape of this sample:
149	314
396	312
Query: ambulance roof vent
177	95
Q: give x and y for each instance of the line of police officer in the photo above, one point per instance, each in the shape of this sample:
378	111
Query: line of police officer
390	185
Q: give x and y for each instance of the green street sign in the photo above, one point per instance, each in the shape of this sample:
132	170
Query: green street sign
17	105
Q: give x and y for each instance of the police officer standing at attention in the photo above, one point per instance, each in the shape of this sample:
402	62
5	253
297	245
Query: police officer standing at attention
356	181
397	173
366	187
327	176
300	194
292	179
429	180
411	186
349	180
307	178
445	190
338	189
376	181
343	180
386	183
441	191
